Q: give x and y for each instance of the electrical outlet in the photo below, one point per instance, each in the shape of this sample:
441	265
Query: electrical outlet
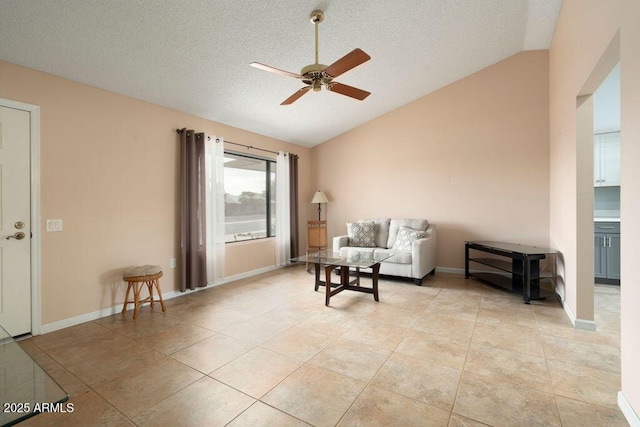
172	263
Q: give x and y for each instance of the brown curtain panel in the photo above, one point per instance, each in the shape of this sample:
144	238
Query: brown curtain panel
293	205
192	203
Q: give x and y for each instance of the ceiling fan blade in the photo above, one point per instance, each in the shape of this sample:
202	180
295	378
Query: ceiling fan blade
347	62
275	70
297	95
347	90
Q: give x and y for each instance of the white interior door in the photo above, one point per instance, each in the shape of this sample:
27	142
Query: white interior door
15	222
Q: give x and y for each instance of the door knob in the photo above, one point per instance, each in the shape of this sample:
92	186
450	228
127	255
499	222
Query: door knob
18	236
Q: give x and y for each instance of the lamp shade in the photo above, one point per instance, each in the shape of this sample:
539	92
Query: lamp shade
319	197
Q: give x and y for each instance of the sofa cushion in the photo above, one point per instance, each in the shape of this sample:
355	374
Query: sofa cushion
394	227
397	257
381	229
349	250
361	234
406	236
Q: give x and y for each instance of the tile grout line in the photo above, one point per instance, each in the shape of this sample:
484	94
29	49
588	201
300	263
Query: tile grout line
462	371
374	375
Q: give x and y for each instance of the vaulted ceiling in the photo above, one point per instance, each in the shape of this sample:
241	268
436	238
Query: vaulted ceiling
194	55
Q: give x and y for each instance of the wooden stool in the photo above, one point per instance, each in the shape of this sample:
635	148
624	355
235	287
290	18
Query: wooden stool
136	277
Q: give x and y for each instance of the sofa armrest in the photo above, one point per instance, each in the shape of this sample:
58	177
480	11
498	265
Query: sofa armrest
423	254
340	242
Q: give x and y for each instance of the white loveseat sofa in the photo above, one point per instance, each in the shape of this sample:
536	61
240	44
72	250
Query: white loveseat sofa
411	242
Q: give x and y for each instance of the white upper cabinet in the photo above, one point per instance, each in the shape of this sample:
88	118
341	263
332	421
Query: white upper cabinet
606	156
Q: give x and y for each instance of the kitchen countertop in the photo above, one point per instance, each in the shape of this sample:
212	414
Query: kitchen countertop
606	219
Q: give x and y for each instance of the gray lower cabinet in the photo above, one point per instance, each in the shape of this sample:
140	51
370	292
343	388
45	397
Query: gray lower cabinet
607	252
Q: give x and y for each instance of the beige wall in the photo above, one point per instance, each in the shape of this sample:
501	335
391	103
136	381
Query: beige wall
581	52
109	168
584	32
472	158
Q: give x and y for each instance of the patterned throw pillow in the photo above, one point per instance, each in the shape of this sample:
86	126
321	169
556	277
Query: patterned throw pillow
405	238
361	234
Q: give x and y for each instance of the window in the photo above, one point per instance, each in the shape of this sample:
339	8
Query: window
249	196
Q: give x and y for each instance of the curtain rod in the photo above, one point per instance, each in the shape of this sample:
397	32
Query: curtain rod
250	147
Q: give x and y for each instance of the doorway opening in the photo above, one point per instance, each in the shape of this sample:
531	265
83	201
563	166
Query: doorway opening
586	177
606	126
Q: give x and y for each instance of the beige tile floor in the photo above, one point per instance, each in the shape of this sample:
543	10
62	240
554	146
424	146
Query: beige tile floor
266	351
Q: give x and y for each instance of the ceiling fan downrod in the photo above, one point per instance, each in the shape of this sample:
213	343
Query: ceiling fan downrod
317	16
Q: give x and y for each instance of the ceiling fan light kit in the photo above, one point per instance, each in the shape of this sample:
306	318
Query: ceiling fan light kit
317	75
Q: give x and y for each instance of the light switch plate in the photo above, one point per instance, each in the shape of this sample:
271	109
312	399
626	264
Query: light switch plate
54	225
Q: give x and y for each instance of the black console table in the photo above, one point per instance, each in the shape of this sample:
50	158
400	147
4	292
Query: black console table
519	272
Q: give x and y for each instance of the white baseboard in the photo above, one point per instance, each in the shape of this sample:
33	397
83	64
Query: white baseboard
587	325
248	274
72	321
627	410
569	312
88	317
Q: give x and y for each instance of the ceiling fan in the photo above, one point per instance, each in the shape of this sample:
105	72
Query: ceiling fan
317	75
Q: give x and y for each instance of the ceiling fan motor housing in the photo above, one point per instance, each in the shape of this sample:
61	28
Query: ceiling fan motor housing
313	68
314	76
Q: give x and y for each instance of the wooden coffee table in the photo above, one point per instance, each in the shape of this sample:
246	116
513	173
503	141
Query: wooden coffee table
331	260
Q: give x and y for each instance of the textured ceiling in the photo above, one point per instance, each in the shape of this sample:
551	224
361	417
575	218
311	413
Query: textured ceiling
194	55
